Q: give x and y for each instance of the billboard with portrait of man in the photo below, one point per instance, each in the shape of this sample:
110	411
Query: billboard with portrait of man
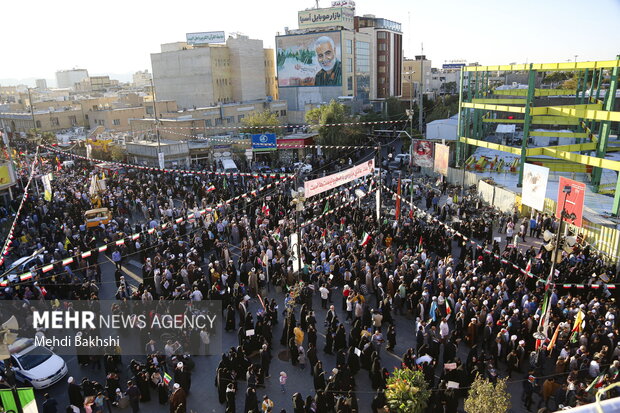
423	153
313	59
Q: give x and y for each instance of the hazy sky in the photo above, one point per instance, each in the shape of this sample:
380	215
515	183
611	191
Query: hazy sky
117	37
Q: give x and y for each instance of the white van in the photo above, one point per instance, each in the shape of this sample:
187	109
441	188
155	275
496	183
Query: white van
229	166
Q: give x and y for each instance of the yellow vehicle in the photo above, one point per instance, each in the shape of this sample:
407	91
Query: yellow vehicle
95	217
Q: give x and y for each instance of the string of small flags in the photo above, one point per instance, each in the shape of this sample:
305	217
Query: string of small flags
182	171
496	256
178	221
11	235
258	127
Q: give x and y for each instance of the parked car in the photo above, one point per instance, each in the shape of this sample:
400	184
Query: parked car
400	160
21	266
304	168
35	366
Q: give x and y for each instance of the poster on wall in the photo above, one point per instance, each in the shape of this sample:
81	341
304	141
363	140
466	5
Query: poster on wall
313	59
535	179
7	175
423	154
574	201
442	157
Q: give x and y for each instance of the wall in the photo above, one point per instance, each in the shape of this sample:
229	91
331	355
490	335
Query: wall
247	68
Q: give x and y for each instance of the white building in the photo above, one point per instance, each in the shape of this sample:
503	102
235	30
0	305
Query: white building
142	78
204	75
67	78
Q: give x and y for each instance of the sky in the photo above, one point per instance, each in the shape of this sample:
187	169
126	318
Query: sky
117	37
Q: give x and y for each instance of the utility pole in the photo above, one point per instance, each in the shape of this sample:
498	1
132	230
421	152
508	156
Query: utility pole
34	123
421	92
160	155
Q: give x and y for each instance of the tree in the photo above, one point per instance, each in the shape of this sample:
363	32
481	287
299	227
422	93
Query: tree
117	153
407	391
485	397
330	114
444	107
47	138
395	109
570	84
262	122
449	87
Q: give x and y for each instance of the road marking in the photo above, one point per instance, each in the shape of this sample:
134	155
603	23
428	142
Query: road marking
132	274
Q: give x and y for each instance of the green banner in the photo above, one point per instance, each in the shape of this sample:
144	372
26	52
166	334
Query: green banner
26	398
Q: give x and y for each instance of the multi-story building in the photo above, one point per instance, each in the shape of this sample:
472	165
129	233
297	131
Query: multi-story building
67	78
387	42
51	120
142	78
337	56
209	121
41	84
415	72
95	84
202	75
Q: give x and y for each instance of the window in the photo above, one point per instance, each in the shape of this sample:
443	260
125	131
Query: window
381	69
382	58
218	122
349	64
382	47
54	121
350	83
38	123
208	122
350	46
381	35
116	122
73	120
240	117
283	113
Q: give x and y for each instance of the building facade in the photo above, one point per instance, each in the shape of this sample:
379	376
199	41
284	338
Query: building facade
41	84
67	78
413	77
364	65
142	78
387	42
204	75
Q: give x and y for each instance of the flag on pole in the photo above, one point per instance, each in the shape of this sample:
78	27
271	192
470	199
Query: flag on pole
365	239
326	208
167	378
420	244
265	209
596	383
58	164
577	326
553	339
276	234
211	188
215	216
528	267
398	191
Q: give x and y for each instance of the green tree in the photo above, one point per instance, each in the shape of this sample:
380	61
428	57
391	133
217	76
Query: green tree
117	153
444	107
395	109
330	114
449	87
47	138
407	391
484	397
570	84
262	122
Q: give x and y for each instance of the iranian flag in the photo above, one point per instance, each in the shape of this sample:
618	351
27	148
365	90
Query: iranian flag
211	188
167	378
420	244
265	209
276	234
365	239
528	267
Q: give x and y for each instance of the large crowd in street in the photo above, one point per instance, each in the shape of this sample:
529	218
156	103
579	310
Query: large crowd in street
368	279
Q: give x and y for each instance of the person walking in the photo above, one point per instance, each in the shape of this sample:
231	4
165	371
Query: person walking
283	378
134	396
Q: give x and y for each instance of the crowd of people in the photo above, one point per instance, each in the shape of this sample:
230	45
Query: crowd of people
470	313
